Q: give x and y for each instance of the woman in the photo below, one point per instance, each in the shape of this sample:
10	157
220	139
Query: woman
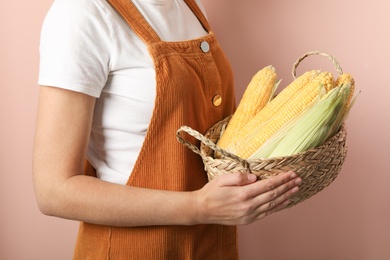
118	79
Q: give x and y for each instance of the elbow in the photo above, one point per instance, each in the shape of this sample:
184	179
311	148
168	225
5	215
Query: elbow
44	207
46	197
45	202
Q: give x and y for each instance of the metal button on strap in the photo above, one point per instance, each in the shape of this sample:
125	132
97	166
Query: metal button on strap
204	46
217	100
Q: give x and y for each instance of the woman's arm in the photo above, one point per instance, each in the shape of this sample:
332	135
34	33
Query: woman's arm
62	132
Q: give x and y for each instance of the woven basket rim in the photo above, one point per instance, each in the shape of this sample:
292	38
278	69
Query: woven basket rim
203	146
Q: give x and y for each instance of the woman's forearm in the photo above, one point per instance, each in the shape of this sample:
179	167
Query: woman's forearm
92	200
231	199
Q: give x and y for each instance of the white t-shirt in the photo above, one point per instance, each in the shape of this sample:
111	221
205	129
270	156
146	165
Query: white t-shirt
87	47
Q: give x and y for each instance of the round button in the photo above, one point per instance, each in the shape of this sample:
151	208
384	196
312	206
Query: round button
205	47
217	100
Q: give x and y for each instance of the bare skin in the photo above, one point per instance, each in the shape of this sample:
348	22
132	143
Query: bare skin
62	131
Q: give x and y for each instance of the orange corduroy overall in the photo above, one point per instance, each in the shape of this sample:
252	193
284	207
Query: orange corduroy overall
194	88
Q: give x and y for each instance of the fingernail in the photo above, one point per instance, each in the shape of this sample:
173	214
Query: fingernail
293	175
298	181
294	190
251	177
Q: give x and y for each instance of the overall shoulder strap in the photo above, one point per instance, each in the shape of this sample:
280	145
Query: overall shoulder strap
135	20
198	13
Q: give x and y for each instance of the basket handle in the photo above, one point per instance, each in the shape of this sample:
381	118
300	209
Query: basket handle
207	142
330	57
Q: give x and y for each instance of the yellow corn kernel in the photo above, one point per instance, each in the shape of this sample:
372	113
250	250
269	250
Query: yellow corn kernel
257	94
246	144
329	82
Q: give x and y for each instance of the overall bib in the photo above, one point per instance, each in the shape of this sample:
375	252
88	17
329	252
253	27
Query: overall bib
194	88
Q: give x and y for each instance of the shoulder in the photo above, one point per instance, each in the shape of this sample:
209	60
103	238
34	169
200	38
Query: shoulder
77	19
80	13
75	45
78	6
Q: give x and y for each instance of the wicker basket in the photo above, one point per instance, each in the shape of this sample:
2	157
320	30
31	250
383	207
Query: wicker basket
317	167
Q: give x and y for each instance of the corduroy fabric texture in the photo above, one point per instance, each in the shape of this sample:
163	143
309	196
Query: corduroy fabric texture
187	81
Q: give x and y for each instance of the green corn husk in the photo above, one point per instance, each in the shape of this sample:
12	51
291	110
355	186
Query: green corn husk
311	128
276	86
267	148
314	127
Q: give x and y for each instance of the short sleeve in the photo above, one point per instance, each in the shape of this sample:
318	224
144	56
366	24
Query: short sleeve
75	46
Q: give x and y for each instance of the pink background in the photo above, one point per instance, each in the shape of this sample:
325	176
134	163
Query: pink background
348	220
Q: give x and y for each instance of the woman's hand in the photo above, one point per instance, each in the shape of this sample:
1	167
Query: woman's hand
234	199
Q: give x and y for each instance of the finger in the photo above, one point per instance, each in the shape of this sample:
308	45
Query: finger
282	191
280	206
274	197
279	180
235	179
269	184
277	200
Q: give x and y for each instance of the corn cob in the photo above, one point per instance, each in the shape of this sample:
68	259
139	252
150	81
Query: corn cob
346	82
258	93
346	79
271	108
257	131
